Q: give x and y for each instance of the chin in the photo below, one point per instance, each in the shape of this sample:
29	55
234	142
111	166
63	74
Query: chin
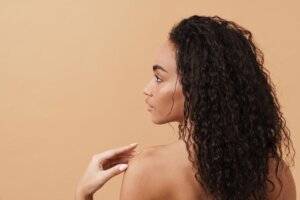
158	122
161	121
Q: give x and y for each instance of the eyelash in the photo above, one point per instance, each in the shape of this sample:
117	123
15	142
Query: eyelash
157	79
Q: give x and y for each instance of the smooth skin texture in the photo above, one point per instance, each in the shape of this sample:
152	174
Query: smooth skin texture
161	172
164	87
164	172
102	167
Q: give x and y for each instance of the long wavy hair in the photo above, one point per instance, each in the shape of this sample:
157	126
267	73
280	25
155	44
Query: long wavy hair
232	118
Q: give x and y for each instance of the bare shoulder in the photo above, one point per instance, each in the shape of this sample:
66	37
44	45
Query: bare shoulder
142	179
288	190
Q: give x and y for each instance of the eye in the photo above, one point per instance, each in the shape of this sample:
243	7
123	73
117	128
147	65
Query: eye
157	78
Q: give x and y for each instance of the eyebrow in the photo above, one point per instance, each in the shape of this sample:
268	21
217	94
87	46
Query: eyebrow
157	67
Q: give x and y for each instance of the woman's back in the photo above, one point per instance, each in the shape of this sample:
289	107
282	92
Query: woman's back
161	172
165	173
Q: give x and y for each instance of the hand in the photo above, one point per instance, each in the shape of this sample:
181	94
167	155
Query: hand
102	167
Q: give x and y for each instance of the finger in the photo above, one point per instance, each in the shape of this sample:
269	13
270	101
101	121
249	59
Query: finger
108	163
112	163
128	155
114	152
121	158
125	155
119	151
109	173
119	161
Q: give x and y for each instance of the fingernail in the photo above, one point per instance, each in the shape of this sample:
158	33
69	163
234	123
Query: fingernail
133	144
123	167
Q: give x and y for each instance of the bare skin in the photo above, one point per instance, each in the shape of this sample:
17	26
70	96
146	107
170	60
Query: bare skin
160	173
164	172
102	167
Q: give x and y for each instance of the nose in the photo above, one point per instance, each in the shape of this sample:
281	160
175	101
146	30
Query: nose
148	90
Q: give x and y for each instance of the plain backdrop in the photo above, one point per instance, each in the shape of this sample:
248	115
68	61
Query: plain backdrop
72	74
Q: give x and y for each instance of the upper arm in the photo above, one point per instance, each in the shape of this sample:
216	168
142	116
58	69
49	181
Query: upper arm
142	180
288	190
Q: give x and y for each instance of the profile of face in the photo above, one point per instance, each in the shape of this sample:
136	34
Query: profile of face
164	96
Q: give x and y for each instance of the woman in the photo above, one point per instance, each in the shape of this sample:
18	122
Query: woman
209	77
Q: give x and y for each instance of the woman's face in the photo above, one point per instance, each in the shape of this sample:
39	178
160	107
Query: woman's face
164	95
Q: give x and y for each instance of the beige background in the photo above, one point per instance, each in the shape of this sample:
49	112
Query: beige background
72	74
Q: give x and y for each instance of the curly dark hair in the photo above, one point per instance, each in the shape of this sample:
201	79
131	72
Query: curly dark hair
232	118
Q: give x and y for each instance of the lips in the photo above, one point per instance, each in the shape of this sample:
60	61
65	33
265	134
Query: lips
149	105
150	108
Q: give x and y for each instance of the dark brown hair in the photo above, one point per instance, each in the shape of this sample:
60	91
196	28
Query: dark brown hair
230	101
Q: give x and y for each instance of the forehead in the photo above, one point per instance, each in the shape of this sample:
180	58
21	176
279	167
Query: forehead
166	57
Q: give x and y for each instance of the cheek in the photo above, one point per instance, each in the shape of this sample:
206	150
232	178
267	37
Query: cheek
164	98
168	103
